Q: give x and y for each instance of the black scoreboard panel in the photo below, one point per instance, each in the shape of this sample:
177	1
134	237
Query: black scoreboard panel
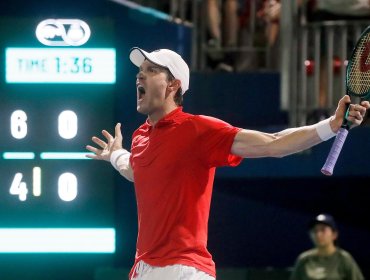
53	98
43	169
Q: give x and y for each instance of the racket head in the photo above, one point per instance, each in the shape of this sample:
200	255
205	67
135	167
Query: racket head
358	68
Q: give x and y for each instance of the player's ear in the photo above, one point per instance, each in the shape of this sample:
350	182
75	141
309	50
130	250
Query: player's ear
335	235
174	85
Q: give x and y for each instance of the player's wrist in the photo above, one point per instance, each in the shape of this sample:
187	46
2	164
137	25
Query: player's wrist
325	129
335	123
117	155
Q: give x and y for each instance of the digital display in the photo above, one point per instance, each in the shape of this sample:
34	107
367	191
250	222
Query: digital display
56	240
53	100
60	65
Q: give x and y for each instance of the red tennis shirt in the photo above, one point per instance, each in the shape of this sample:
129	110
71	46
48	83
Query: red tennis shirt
174	166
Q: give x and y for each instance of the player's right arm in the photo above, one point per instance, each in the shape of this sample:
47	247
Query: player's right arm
120	159
111	150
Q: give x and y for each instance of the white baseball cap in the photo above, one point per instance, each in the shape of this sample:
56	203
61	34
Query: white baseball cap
164	58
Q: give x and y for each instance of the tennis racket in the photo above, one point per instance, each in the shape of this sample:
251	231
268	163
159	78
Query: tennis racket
357	85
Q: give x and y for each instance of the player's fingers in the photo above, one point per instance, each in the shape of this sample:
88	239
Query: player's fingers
355	117
345	100
89	148
93	149
343	105
118	132
355	114
107	135
361	109
357	108
92	156
354	121
99	142
365	104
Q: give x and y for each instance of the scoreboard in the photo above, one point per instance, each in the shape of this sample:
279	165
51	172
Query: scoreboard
57	81
60	65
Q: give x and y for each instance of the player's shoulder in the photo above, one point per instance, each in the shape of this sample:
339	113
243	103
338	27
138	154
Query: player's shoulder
206	124
344	254
307	254
183	116
142	128
208	120
205	118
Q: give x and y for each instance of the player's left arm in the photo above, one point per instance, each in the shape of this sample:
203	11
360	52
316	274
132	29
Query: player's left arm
255	144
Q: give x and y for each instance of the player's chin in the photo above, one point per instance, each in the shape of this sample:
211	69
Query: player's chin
142	109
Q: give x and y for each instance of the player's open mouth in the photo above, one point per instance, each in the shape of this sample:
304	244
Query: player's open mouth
141	92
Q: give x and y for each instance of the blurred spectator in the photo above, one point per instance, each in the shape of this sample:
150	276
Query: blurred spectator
251	36
331	10
317	10
321	10
270	13
223	26
326	260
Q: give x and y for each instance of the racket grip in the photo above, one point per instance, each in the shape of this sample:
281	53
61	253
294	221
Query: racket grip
331	160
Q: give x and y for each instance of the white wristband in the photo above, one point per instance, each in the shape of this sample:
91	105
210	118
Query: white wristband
119	155
324	130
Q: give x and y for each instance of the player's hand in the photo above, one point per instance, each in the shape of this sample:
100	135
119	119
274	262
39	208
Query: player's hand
355	115
108	146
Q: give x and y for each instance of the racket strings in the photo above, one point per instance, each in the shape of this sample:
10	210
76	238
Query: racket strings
358	74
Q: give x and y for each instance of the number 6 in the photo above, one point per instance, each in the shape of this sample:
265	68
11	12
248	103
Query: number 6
18	124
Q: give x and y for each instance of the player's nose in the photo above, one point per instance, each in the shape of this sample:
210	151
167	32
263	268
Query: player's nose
140	75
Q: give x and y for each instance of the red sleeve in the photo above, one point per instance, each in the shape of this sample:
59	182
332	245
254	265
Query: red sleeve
215	138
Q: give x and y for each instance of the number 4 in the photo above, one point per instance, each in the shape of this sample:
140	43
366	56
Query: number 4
18	187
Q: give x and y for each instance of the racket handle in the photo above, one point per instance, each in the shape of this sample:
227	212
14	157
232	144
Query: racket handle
328	167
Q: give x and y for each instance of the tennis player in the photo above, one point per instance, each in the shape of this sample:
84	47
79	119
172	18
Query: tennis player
172	164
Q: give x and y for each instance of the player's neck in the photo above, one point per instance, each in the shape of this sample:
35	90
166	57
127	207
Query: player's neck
326	250
159	114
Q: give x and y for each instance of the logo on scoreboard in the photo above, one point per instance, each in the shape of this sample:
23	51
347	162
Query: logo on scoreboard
63	32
